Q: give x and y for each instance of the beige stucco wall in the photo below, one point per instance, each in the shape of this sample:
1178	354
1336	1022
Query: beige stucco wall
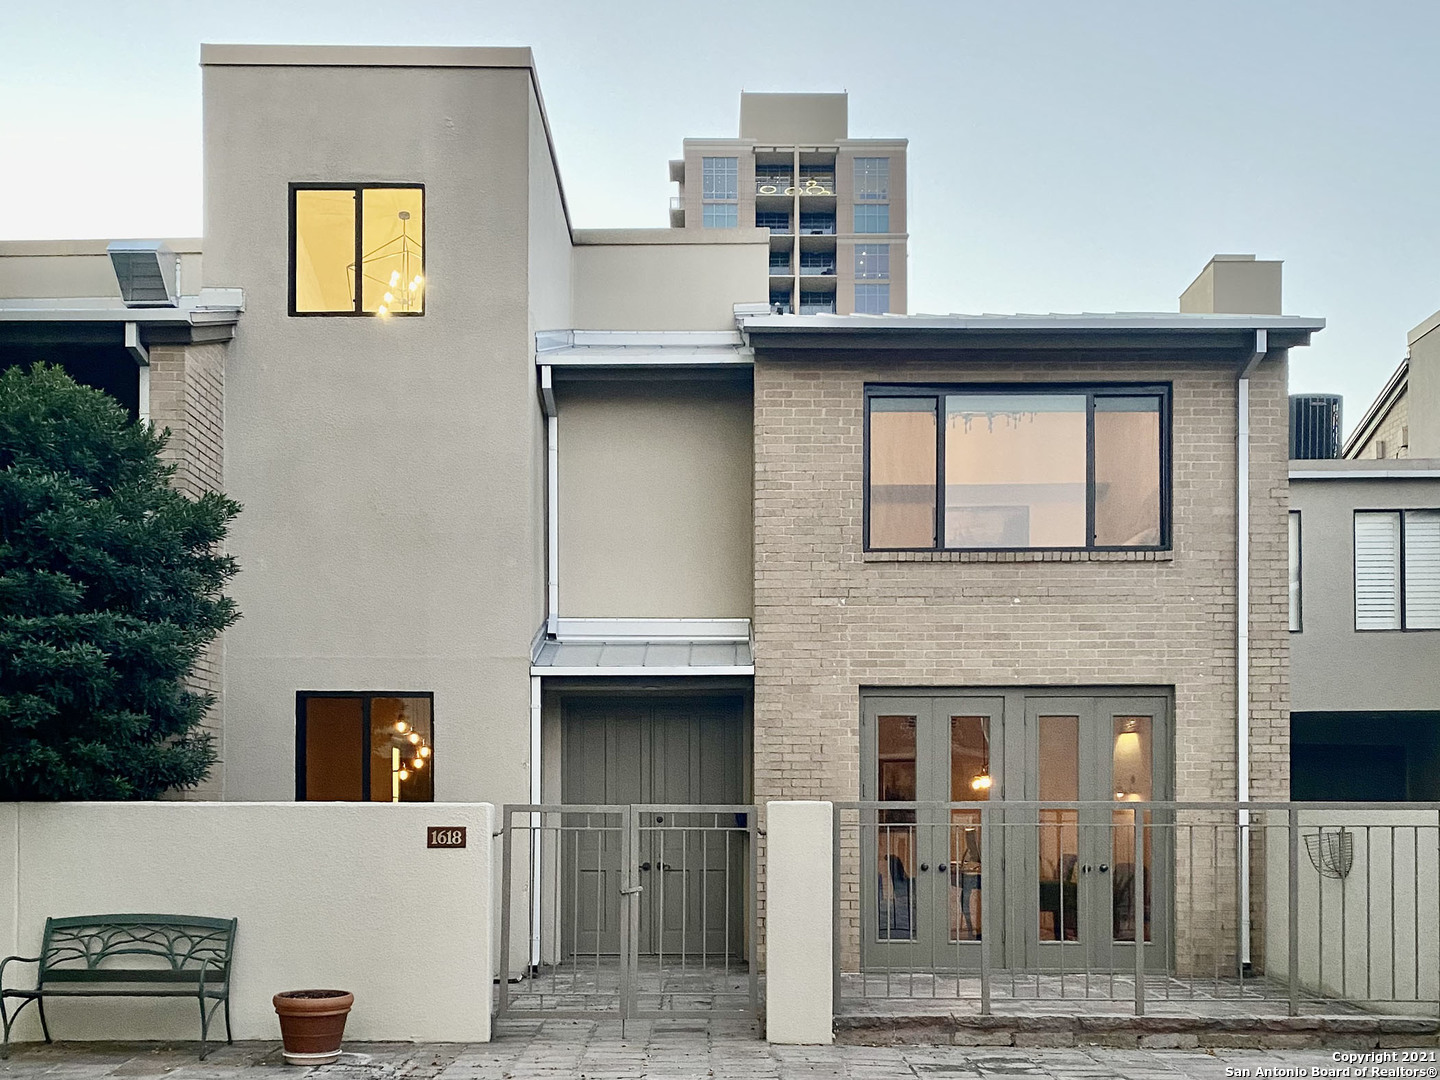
343	895
1333	666
390	469
800	964
655	495
1240	284
787	119
34	269
663	279
830	619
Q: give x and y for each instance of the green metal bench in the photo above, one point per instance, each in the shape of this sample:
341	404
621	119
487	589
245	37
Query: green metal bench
128	956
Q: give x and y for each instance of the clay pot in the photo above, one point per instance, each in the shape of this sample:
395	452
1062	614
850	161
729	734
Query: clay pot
312	1023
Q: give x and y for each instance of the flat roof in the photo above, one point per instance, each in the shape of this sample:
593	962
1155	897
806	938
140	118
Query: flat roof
1122	329
1365	469
449	56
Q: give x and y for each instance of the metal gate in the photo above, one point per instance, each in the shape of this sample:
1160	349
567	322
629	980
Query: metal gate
632	911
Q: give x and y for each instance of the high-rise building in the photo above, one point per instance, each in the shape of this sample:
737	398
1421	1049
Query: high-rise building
835	206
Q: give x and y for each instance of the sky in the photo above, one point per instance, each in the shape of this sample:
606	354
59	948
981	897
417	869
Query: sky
1064	156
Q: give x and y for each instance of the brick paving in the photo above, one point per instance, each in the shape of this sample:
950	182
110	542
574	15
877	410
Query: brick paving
662	1050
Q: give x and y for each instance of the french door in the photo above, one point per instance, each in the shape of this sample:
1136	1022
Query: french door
921	904
1062	880
1080	902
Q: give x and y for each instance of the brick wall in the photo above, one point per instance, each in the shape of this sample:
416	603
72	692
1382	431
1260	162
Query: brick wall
830	619
187	385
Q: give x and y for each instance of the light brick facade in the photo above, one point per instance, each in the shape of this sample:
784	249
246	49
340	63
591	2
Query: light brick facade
187	395
831	619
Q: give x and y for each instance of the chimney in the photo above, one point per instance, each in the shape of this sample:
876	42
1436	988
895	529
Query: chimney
1234	285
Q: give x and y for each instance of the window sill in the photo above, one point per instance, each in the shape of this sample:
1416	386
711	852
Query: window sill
1039	555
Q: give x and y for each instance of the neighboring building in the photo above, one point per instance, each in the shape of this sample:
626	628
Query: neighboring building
1365	630
835	206
1404	419
573	516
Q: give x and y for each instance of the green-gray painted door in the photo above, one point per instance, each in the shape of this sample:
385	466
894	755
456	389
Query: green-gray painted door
678	751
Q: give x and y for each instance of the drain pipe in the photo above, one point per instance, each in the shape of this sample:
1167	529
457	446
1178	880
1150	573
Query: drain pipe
1242	632
552	606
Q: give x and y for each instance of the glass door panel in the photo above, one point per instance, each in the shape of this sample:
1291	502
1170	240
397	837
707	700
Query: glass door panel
896	842
1133	775
1059	829
970	781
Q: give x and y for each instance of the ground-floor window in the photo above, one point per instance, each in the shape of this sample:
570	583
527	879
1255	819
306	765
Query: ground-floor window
355	746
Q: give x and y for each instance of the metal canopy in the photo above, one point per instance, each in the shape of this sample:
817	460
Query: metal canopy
613	647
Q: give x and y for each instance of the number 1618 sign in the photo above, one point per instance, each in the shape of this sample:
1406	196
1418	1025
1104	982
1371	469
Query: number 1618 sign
445	836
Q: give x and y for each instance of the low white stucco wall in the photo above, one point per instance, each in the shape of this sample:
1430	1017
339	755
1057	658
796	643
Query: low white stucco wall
799	922
1373	935
327	895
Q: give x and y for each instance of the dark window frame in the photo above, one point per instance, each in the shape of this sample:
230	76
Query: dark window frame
1299	556
1399	572
937	391
359	298
365	696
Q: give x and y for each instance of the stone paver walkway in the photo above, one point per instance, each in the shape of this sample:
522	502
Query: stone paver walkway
658	1050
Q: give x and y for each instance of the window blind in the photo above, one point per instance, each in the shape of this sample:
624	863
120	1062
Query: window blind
1422	569
1377	571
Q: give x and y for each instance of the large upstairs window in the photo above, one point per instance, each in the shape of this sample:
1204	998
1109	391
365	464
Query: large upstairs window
1074	467
357	249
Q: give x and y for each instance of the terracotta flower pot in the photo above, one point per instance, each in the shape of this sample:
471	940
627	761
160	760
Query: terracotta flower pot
312	1023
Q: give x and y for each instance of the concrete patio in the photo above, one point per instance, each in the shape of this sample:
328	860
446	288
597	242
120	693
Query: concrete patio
662	1050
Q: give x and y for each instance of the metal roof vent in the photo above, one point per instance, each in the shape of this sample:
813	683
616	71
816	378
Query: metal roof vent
146	270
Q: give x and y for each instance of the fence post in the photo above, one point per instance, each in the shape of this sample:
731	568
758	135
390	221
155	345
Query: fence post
799	914
1138	906
986	934
506	850
1294	912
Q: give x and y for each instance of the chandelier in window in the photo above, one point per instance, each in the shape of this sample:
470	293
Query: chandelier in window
394	267
409	754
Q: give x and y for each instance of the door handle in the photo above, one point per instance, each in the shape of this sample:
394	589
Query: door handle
644	866
924	866
1104	868
1085	869
941	868
634	890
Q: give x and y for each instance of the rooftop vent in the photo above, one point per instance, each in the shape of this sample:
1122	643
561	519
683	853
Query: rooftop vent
146	272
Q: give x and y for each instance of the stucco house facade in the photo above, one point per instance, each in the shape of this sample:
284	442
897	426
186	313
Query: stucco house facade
537	514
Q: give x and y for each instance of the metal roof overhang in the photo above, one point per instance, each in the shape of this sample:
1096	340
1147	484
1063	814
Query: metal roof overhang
102	320
1140	336
645	647
596	353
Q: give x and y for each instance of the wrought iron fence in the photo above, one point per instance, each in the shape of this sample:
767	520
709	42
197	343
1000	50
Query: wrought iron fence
1236	907
631	910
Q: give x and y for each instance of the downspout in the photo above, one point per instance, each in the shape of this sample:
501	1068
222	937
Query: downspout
552	602
1242	632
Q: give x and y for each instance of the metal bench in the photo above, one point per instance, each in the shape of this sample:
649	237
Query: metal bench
128	956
